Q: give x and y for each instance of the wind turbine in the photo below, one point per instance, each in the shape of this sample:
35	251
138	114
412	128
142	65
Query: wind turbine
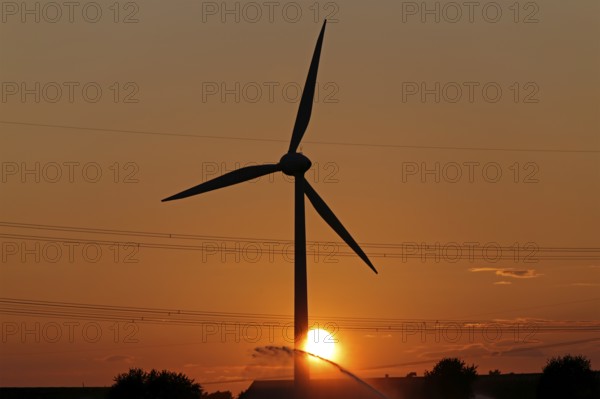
293	164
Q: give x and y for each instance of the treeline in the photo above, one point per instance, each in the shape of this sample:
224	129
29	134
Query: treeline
563	377
566	377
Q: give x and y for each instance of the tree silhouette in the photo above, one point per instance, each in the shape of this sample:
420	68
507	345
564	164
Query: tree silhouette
450	378
138	384
568	377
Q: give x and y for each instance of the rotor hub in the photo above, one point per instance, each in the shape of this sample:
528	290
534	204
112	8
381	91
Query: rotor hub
295	164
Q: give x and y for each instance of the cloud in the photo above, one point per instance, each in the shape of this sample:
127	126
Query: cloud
530	273
461	350
524	352
483	269
508	272
378	336
234	373
505	345
501	347
502	283
536	350
118	358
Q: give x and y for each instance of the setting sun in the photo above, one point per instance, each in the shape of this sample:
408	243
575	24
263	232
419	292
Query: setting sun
321	343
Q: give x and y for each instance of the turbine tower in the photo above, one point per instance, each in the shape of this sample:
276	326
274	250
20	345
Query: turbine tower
294	164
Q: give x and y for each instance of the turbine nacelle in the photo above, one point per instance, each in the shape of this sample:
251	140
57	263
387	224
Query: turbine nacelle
294	164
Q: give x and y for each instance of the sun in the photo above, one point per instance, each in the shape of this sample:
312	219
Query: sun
322	343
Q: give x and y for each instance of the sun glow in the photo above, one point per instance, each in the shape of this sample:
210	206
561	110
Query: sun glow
321	343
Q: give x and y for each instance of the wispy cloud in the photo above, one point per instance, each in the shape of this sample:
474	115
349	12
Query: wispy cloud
118	358
378	336
585	284
502	283
464	350
508	272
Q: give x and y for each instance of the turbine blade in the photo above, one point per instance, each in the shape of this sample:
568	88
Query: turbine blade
308	94
228	179
328	215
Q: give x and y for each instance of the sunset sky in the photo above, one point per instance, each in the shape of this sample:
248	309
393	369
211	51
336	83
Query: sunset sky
479	130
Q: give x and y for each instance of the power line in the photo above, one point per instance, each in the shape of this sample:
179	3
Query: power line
528	251
250	252
239	138
139	233
180	311
146	315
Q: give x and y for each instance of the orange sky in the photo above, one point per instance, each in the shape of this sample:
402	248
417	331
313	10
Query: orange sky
373	56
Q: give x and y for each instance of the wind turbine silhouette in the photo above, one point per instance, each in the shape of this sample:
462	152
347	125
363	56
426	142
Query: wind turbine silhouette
293	164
